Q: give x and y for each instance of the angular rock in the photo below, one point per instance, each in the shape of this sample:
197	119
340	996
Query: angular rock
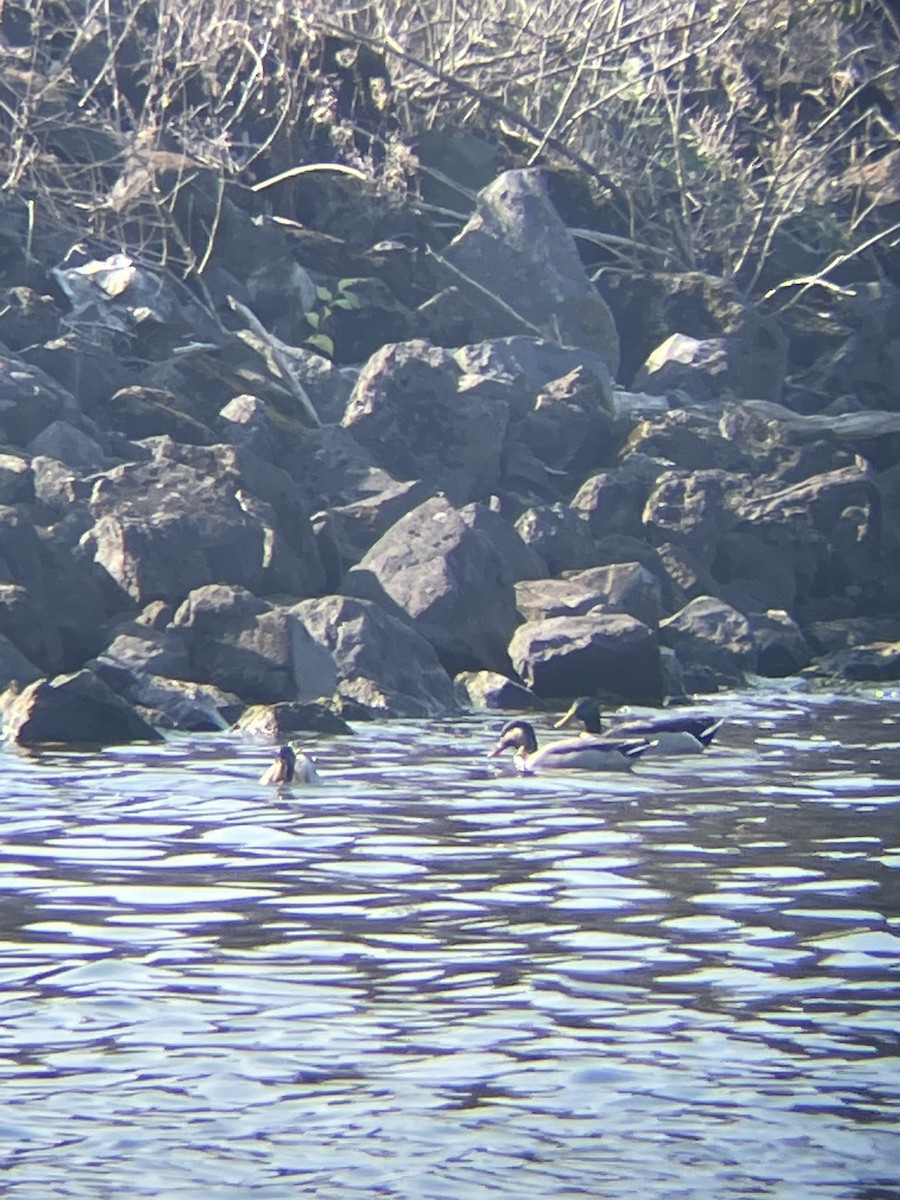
383	663
14	666
876	662
409	410
344	533
625	587
143	650
172	703
16	479
72	709
261	652
559	535
688	507
30	400
612	501
516	248
487	689
562	657
570	429
713	641
164	528
446	572
70	445
277	721
781	648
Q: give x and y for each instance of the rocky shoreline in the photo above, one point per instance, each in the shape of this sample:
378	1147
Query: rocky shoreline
206	520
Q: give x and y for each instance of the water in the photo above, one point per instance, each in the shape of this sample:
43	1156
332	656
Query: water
430	979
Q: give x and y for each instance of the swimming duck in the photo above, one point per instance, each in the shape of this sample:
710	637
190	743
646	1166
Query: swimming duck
290	767
682	733
590	754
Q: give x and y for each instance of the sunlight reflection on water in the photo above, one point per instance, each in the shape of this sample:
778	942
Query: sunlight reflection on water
430	978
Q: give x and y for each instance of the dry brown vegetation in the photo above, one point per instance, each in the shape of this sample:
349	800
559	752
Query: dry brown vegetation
755	139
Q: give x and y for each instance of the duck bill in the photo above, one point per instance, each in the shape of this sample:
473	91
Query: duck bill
567	718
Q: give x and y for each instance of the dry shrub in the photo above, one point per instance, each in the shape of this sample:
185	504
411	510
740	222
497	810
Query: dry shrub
741	137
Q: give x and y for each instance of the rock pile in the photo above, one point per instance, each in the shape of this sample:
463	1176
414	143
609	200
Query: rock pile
197	518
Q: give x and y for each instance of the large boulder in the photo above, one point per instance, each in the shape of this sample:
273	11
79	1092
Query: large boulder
826	530
559	535
164	527
518	267
562	657
448	572
612	501
689	507
382	663
261	652
70	709
421	418
51	605
30	401
713	642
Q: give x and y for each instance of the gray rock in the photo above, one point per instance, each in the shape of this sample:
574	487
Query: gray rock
72	709
171	703
625	587
713	641
70	445
344	533
877	662
488	690
560	535
612	501
781	648
689	507
515	247
261	652
445	572
143	650
277	721
408	409
383	664
30	401
562	657
14	666
164	528
16	479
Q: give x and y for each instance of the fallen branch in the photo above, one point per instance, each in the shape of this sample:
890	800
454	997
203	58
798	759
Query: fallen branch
296	387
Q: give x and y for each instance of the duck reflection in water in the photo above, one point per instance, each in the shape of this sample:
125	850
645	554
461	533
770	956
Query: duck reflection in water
290	766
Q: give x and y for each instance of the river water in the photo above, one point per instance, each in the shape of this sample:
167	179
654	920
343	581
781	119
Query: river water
428	978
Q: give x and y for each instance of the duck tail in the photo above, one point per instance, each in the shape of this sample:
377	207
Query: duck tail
705	736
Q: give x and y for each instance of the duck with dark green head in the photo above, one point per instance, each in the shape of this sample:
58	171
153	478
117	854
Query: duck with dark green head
675	733
290	766
578	753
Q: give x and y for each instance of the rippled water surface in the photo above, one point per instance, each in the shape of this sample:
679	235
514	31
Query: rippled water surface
428	978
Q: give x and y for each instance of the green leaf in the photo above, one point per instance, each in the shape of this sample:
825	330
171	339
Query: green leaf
313	318
321	341
324	294
347	302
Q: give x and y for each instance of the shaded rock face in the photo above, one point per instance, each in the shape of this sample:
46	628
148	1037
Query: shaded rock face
76	708
410	410
164	528
264	653
516	248
443	571
568	656
383	664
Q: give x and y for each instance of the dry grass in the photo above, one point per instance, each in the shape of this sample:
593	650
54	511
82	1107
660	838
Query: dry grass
711	130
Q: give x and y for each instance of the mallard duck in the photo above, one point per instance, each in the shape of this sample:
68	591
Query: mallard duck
290	767
680	733
589	754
